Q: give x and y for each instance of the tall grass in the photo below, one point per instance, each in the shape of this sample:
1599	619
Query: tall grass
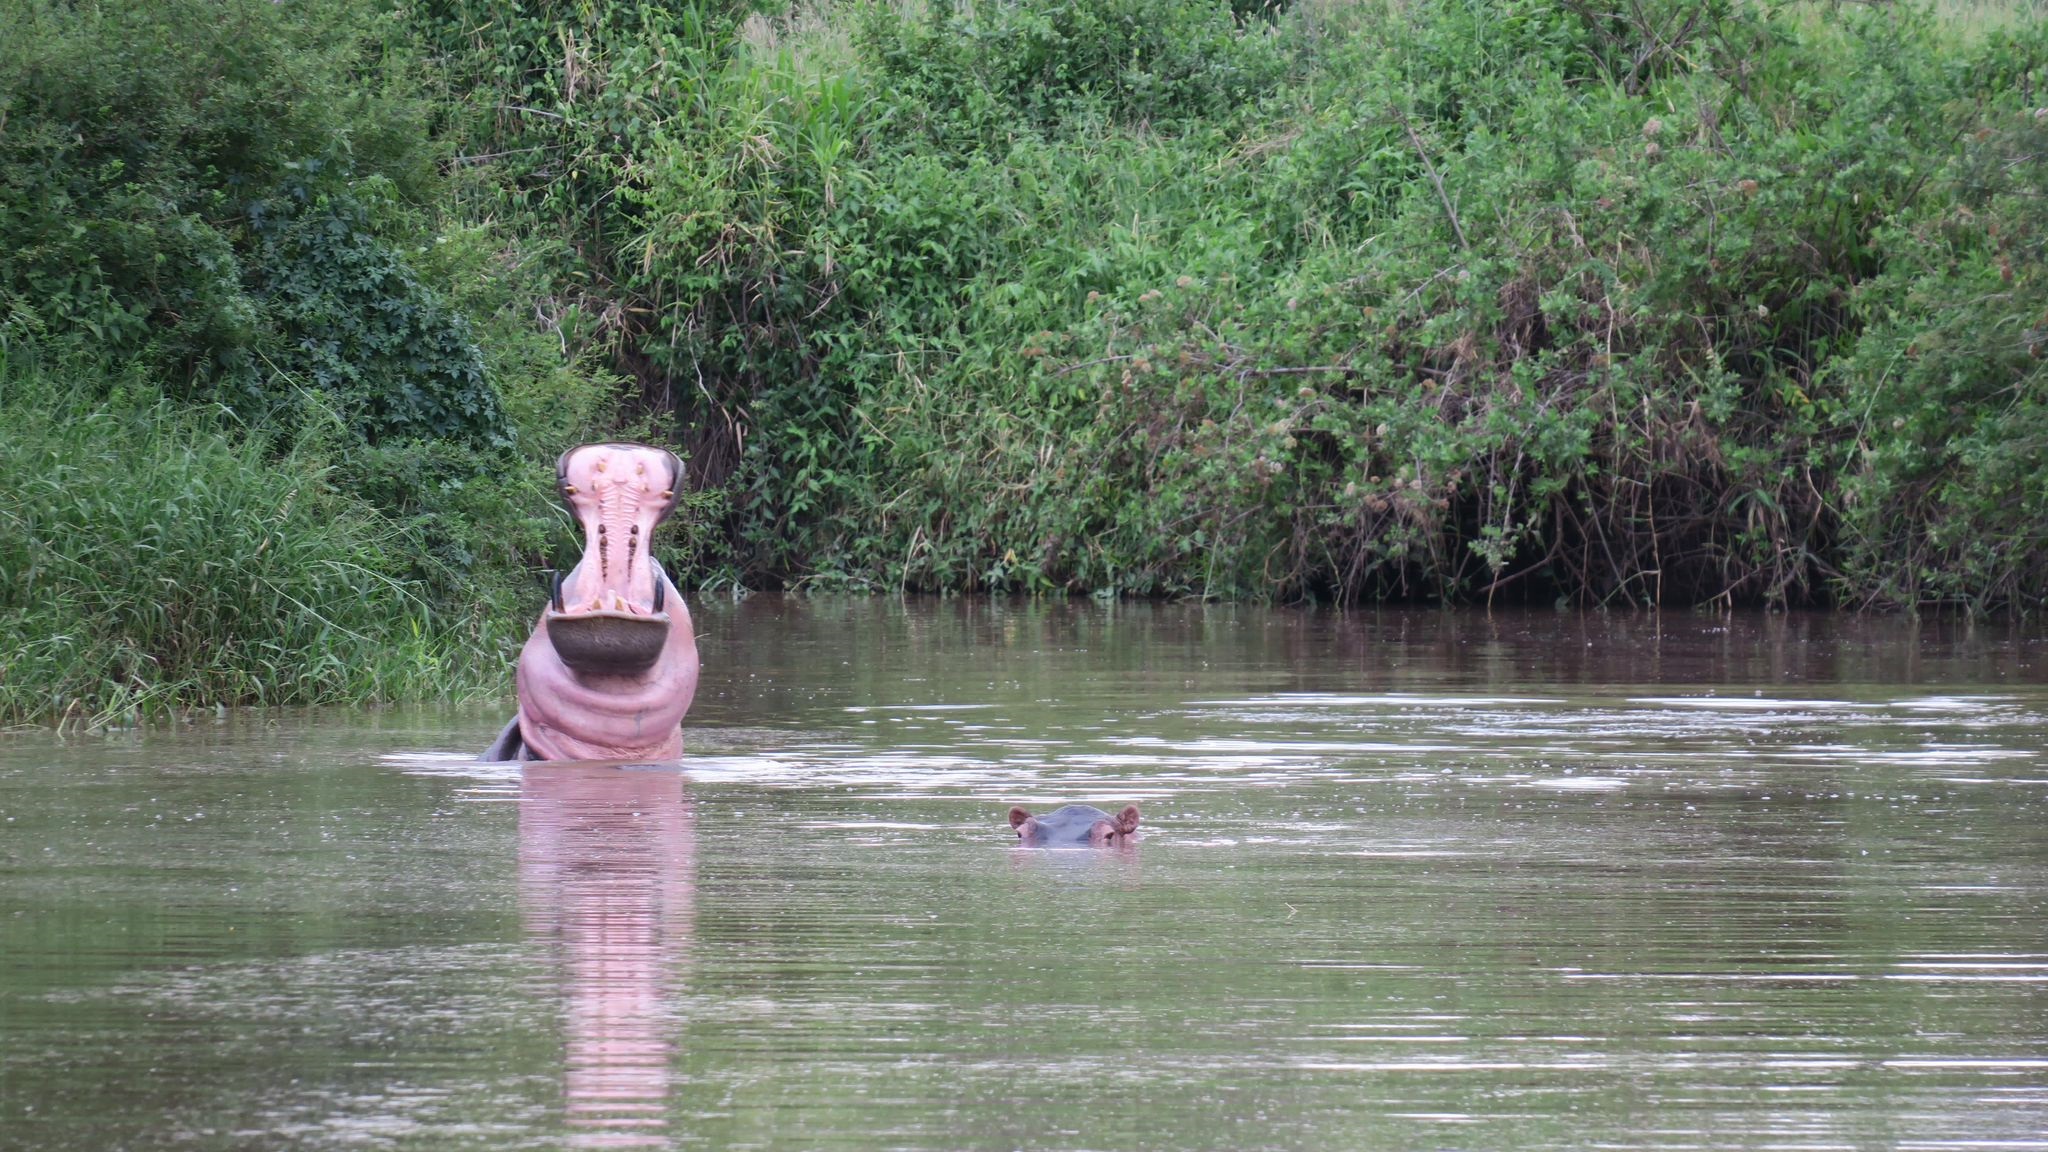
153	558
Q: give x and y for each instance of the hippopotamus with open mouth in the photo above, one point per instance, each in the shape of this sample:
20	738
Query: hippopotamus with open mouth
610	669
1075	826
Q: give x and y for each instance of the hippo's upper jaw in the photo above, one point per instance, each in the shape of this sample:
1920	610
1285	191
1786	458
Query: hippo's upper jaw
612	666
1075	826
608	615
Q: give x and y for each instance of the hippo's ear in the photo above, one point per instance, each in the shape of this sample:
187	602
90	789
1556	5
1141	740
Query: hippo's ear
675	485
1127	820
1018	816
562	472
562	477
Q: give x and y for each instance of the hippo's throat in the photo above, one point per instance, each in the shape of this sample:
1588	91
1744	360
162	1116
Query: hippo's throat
608	618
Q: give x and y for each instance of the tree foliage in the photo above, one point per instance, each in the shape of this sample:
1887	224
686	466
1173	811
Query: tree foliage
1455	298
1670	301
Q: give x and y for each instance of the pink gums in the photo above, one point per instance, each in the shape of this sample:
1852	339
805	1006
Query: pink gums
619	493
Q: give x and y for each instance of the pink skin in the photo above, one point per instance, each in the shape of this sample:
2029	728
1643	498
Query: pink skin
618	492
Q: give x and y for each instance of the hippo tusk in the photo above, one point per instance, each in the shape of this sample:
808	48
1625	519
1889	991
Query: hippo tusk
555	594
659	595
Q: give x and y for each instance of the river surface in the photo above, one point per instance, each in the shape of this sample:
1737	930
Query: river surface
1406	880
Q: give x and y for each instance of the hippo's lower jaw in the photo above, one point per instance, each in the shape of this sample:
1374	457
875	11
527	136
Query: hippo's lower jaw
607	643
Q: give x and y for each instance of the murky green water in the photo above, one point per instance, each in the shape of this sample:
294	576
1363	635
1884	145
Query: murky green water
1408	881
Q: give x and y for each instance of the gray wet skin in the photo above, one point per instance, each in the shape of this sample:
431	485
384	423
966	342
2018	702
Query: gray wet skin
1075	826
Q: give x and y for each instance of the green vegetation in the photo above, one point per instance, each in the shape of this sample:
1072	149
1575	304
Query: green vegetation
276	425
154	558
1670	301
1449	299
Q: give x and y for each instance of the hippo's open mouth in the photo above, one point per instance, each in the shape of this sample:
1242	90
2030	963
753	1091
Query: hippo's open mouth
607	616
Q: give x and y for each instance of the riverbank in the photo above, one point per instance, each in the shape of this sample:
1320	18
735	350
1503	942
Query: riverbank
1445	301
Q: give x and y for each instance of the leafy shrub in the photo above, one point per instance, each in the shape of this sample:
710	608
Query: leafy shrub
1161	62
156	561
1480	298
137	132
363	328
1945	399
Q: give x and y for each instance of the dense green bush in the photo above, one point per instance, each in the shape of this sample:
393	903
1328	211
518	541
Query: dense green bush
984	66
255	210
363	329
1944	496
1678	301
1453	298
138	135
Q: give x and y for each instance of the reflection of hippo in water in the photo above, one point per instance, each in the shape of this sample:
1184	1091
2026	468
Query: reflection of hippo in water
1075	826
607	887
610	669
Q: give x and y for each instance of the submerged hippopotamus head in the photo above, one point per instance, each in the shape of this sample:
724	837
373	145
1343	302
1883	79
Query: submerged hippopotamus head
1075	826
610	669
